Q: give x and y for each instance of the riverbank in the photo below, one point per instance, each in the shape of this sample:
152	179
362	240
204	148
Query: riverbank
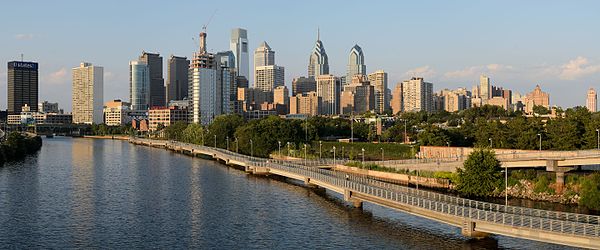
17	146
112	137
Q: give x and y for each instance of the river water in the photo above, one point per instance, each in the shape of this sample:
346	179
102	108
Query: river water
86	193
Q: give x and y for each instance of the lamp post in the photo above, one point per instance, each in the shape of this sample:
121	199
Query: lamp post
505	185
320	146
448	143
237	145
334	156
540	135
342	152
279	144
202	136
363	156
491	145
598	131
215	141
305	160
382	155
251	148
288	147
227	138
351	126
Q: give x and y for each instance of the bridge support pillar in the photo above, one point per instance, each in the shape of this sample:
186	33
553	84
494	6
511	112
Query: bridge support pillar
468	230
560	181
355	202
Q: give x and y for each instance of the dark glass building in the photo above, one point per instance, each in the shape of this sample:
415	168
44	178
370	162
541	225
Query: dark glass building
22	86
157	82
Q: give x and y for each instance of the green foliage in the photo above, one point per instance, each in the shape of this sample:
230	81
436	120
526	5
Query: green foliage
590	191
433	136
391	151
175	131
540	110
194	133
480	175
103	129
17	146
542	185
563	134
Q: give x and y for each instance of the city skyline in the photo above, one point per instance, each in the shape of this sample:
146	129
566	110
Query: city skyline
449	54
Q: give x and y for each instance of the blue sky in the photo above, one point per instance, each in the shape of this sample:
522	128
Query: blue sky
517	43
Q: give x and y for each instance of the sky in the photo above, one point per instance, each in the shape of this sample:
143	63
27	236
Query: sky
518	44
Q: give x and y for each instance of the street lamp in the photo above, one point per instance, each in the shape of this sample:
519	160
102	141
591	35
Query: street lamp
382	155
251	148
320	146
448	143
288	151
227	138
540	135
305	157
215	141
334	156
598	130
363	156
505	185
342	152
491	145
279	144
237	145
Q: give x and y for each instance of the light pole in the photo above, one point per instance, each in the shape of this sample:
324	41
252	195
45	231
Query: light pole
202	136
279	144
215	141
505	185
251	148
288	147
363	156
342	152
448	143
237	145
540	135
334	156
598	131
320	146
405	137
491	145
305	160
382	155
227	138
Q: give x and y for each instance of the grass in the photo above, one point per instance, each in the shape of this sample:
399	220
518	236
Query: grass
353	151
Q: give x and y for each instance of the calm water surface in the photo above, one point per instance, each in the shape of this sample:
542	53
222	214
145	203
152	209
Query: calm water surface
84	193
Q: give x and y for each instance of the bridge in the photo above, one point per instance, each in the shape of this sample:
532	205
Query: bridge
474	218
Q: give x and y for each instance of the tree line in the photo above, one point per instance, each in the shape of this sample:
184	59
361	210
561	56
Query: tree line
16	146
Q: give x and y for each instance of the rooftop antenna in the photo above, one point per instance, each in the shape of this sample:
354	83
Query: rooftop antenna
318	34
22	57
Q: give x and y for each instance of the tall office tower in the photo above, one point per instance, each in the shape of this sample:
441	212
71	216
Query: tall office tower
379	81
264	55
48	107
397	99
591	102
177	78
303	85
139	87
537	97
203	85
328	88
356	64
485	88
269	77
157	82
22	86
88	94
226	84
417	95
358	97
239	47
318	63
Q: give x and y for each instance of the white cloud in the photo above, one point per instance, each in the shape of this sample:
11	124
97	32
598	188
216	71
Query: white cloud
58	77
475	71
577	68
24	36
425	72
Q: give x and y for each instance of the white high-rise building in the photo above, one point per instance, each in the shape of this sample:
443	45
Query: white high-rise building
203	85
417	95
239	47
264	55
485	88
592	98
139	87
269	77
88	94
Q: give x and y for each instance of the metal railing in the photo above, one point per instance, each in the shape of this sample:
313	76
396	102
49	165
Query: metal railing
536	219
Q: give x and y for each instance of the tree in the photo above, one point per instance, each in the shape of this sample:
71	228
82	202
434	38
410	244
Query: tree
540	110
590	191
433	136
175	131
193	133
223	127
562	134
481	174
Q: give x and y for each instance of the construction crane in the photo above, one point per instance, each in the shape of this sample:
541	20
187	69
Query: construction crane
208	22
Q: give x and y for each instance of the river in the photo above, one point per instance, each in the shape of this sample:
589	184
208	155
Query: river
91	193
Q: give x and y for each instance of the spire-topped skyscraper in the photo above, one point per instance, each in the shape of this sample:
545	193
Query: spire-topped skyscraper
318	63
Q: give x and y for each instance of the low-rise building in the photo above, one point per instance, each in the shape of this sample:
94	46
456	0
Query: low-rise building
116	113
166	116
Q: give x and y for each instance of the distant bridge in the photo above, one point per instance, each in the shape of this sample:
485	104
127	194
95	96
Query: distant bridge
476	219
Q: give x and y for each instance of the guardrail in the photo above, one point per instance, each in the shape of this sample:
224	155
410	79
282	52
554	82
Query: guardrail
536	219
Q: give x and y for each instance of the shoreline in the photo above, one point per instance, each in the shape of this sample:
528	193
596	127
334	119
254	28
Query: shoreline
110	137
